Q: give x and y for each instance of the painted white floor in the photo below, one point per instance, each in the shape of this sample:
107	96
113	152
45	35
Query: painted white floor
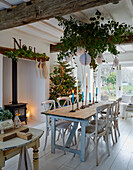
121	156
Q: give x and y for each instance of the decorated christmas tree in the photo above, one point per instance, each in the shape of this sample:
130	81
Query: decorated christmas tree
62	81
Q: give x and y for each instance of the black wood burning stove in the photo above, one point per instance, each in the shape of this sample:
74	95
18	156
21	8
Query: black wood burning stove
16	107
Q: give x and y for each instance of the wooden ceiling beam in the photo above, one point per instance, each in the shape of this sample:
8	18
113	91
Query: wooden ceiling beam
5	4
26	0
53	48
36	10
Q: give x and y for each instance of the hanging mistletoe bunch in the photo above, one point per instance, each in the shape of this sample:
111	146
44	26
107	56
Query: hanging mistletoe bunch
95	37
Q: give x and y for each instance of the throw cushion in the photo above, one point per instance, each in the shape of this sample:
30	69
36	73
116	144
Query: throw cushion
126	99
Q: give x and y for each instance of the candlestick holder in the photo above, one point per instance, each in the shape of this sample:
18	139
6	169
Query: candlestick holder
82	107
90	103
77	106
96	99
93	101
73	108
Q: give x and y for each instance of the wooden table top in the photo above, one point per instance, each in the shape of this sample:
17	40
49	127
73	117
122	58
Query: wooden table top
18	142
79	114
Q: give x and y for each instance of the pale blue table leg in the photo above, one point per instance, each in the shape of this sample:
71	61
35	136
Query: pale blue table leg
69	141
52	135
82	156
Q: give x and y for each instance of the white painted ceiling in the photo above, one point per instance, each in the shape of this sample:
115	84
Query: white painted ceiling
50	32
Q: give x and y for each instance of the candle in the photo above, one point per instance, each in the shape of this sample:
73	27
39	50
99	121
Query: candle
82	95
72	96
77	92
96	90
86	90
86	79
93	92
89	96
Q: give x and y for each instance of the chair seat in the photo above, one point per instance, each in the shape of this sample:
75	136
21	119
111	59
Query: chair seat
63	124
100	122
92	128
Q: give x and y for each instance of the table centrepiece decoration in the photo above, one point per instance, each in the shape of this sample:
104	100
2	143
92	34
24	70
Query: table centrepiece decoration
72	102
82	107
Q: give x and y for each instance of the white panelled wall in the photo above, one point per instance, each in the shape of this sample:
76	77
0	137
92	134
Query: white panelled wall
1	80
32	89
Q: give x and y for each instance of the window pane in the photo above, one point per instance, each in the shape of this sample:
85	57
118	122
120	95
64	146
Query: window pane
108	83
127	80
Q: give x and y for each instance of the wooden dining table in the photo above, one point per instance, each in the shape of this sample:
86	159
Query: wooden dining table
81	116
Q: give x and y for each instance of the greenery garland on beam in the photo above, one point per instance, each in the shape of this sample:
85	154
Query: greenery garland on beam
96	37
25	54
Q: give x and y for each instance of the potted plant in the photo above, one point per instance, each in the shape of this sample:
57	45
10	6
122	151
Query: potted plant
5	120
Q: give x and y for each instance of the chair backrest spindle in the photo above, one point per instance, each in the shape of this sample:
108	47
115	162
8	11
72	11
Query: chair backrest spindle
66	100
105	117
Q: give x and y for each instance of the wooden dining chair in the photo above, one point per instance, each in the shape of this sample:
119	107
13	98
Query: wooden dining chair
62	102
115	112
61	126
101	122
96	131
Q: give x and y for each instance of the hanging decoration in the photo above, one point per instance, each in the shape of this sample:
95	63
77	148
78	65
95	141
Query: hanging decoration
45	70
116	62
85	59
40	67
99	59
95	37
80	51
36	65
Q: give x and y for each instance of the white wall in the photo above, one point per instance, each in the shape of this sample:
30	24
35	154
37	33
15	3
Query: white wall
1	80
31	89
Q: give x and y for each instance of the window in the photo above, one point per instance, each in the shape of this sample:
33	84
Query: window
127	80
108	83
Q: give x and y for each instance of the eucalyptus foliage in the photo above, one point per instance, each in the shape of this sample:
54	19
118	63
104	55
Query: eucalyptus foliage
24	53
96	37
5	114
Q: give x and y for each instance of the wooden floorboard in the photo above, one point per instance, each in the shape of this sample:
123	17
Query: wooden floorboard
121	156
